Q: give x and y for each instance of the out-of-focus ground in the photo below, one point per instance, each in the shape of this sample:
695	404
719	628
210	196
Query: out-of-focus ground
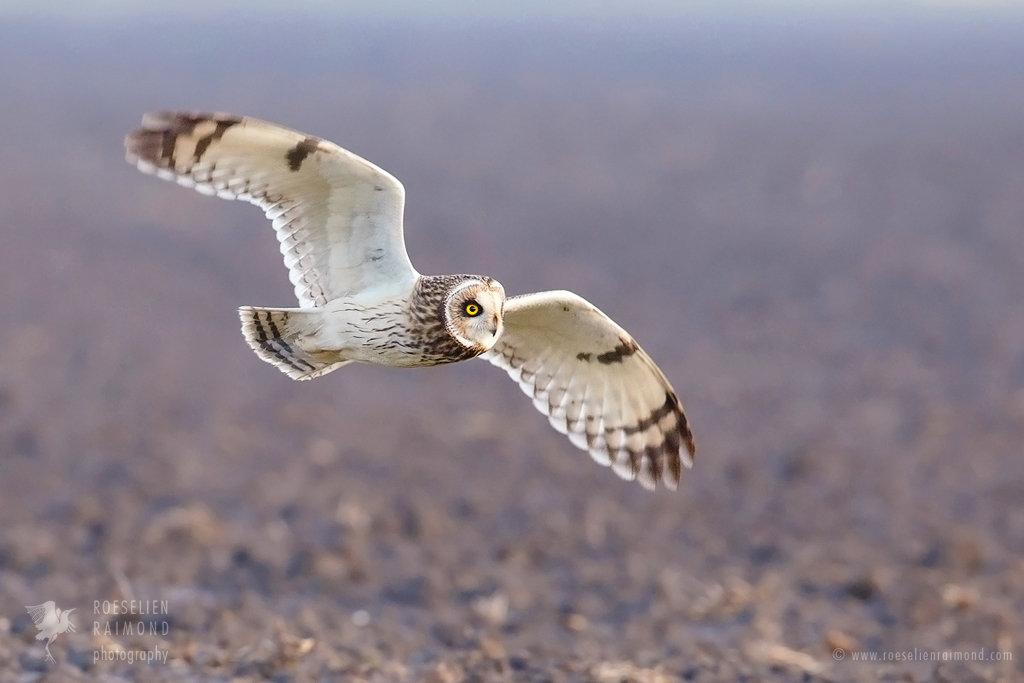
816	230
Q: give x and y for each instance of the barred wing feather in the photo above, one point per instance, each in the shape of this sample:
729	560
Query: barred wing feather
596	385
337	216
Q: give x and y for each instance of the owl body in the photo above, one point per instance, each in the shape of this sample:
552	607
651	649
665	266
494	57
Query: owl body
423	327
339	222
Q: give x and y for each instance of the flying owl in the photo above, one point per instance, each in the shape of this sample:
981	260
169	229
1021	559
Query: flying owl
338	219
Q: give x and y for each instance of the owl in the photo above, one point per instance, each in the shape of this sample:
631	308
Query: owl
338	219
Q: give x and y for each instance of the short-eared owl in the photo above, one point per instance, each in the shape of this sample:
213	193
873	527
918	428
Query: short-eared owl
339	221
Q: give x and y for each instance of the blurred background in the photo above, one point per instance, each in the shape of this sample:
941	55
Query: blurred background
811	215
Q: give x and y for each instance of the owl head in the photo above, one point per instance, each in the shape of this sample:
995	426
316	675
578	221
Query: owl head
473	312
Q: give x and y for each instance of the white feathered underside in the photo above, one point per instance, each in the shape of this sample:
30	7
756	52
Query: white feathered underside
286	215
338	218
595	385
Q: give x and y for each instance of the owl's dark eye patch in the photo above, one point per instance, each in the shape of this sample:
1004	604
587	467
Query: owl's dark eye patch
471	308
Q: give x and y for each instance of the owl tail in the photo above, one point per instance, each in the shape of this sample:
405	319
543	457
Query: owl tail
273	334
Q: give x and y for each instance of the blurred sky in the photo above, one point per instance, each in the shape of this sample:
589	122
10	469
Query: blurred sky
501	9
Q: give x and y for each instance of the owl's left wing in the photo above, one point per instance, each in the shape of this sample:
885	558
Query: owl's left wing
596	385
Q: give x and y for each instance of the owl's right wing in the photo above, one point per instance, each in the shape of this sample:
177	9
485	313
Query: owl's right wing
337	216
596	385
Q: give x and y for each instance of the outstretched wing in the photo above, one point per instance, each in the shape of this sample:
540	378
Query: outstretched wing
337	216
596	385
38	612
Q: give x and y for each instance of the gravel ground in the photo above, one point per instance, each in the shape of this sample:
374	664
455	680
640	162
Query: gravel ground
819	237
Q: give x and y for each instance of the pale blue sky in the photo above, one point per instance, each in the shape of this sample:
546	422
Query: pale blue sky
494	8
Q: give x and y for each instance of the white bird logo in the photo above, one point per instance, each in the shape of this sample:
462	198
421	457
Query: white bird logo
51	622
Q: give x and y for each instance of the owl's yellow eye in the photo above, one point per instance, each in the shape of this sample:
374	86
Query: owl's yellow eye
471	309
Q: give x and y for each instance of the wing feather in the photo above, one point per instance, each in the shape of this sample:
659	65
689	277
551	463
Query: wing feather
596	385
337	217
38	612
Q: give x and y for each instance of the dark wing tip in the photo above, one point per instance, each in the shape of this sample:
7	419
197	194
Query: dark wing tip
682	439
154	142
181	121
143	145
684	430
666	461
